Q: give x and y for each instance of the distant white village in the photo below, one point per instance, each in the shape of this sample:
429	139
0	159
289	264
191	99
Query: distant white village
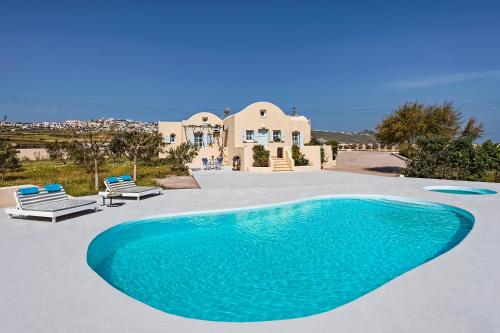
103	124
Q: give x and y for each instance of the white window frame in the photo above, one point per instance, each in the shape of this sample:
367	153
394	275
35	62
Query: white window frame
296	138
198	139
277	137
249	135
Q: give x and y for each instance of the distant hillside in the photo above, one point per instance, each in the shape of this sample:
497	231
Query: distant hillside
366	136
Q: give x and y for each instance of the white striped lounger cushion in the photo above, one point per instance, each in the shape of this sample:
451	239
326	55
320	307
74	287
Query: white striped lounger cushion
128	186
54	206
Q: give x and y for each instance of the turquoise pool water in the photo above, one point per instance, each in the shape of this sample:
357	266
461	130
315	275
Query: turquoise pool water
459	190
276	262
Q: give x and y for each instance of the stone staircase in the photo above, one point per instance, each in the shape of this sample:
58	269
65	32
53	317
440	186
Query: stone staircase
280	164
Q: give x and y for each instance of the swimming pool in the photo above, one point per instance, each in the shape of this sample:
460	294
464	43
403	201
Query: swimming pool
274	262
459	190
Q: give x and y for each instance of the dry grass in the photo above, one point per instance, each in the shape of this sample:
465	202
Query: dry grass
77	180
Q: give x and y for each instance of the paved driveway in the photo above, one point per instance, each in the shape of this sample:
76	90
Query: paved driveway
369	162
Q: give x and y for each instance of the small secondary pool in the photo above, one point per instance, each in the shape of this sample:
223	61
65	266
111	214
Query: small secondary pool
459	190
275	262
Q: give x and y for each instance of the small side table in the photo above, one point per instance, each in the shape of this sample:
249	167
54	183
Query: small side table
110	196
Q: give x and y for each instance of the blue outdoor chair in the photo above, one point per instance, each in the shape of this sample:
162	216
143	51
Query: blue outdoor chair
218	163
206	166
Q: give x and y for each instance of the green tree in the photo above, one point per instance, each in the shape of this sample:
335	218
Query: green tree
441	119
57	151
298	157
413	120
8	158
404	125
335	148
179	157
137	145
116	149
89	146
314	142
79	156
260	156
473	129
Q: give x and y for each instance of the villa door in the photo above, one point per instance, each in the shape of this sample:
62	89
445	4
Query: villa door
280	152
262	138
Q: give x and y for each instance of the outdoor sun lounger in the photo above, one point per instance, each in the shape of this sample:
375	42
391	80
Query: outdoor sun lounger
48	201
128	189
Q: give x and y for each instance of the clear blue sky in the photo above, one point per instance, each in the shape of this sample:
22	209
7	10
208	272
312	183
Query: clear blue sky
343	64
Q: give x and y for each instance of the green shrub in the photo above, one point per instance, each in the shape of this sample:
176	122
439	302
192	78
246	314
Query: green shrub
57	151
314	142
456	158
406	150
179	157
260	156
8	158
298	157
323	157
335	148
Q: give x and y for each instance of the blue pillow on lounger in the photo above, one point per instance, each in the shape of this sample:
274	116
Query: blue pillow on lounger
112	180
29	190
126	178
53	188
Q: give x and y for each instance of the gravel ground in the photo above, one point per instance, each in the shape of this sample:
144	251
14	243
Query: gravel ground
369	162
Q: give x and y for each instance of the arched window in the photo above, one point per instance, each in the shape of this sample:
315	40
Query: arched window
172	138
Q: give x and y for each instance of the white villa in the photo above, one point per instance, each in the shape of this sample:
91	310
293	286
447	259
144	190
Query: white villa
260	123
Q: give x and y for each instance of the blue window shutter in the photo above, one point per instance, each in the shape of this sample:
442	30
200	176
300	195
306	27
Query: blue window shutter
244	136
205	140
271	133
301	139
190	135
167	139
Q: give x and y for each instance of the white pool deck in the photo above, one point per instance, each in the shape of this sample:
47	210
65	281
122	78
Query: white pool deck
46	285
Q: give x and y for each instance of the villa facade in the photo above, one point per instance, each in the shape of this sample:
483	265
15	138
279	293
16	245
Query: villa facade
260	123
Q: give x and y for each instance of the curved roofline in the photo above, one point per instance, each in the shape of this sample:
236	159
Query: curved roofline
260	102
201	114
299	116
